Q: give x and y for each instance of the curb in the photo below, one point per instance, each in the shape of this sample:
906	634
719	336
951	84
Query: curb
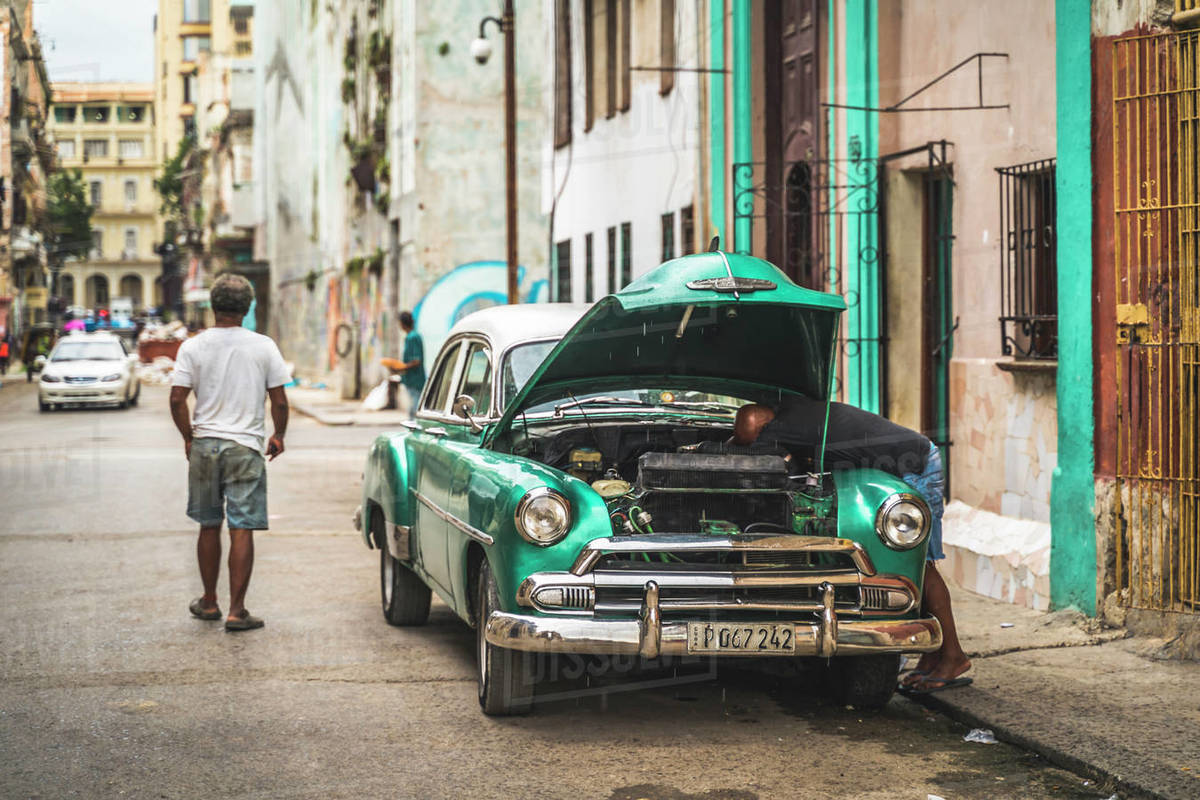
309	411
1052	753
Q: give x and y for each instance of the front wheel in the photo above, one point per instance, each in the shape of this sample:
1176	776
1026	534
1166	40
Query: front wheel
405	597
866	682
137	393
42	406
505	676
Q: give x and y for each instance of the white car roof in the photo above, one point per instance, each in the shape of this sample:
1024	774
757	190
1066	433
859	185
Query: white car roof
508	325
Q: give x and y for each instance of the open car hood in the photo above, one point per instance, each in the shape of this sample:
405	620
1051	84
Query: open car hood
717	322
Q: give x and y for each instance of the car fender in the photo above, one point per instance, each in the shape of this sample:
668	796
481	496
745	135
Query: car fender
385	483
489	486
860	493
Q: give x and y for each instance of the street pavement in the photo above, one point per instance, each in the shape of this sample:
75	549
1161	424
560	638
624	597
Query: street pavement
108	688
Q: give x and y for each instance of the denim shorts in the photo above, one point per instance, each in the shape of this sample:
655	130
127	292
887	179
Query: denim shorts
930	484
227	479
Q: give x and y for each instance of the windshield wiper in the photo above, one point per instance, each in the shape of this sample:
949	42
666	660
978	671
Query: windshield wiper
701	406
601	401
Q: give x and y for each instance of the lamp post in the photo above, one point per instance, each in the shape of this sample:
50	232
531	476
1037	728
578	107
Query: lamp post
481	49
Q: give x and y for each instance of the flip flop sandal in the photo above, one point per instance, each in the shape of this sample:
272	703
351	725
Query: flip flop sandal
247	623
906	679
199	613
930	686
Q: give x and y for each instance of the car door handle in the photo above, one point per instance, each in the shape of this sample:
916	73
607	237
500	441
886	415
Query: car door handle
436	431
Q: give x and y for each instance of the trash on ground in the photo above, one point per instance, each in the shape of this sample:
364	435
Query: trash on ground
376	399
157	372
1006	624
981	736
934	797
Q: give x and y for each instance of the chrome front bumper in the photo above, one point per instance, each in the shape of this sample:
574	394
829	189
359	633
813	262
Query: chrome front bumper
649	636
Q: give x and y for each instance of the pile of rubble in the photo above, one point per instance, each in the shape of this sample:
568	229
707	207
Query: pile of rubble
157	372
163	332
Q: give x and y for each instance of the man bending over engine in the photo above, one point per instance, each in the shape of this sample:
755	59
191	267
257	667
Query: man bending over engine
857	438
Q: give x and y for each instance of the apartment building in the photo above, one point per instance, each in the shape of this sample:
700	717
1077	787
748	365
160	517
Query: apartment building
107	131
622	152
183	31
25	160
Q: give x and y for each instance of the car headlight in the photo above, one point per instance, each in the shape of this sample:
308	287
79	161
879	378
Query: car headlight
116	376
50	378
903	521
543	516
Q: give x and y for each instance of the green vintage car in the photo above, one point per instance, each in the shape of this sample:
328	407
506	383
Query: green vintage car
566	488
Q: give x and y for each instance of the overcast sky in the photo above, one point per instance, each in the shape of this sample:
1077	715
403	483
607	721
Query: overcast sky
97	40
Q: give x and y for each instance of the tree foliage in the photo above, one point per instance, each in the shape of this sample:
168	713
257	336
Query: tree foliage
169	184
69	215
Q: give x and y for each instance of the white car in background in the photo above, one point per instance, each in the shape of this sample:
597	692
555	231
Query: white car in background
89	368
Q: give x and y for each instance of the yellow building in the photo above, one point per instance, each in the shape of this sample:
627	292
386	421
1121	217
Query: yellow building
182	31
106	130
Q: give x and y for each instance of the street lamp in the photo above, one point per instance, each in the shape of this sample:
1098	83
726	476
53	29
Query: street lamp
481	50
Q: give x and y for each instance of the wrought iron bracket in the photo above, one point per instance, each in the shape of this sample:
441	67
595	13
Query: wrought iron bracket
896	107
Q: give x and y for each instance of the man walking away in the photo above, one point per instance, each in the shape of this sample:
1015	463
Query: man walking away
413	368
232	371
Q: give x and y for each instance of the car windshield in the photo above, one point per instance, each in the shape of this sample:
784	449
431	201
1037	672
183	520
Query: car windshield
88	351
521	361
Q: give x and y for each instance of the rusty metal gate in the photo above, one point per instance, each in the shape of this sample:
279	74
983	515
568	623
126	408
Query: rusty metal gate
1156	144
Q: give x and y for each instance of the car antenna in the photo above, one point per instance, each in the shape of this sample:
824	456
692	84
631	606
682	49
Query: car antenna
715	244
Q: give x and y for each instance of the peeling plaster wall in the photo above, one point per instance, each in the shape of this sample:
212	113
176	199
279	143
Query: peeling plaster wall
1003	426
445	148
633	167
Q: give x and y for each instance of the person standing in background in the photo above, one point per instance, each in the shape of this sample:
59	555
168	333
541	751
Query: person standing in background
412	370
4	350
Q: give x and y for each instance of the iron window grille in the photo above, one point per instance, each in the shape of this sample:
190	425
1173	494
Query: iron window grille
668	236
1028	261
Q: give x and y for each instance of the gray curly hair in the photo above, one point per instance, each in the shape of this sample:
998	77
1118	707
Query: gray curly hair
231	294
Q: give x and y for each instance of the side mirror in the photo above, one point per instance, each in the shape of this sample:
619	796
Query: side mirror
464	404
39	363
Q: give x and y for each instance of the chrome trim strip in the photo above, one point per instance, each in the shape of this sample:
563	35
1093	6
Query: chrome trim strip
441	513
716	580
410	424
591	552
541	634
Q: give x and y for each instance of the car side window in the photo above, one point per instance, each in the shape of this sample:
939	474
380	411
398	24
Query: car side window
443	376
477	378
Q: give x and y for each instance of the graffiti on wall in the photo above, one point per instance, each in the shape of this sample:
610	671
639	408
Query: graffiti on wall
466	288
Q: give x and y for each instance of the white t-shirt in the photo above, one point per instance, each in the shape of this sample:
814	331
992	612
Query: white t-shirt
230	370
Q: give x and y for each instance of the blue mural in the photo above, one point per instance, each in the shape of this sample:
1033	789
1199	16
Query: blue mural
466	288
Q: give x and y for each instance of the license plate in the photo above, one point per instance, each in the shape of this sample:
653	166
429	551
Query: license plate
727	637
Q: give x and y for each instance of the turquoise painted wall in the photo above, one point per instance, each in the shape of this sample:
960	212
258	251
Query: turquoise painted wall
861	279
1072	494
718	168
743	145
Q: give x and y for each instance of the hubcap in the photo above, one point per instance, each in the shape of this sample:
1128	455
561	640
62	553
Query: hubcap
389	575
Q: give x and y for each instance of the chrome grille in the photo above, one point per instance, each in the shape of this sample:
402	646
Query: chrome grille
577	597
873	598
79	379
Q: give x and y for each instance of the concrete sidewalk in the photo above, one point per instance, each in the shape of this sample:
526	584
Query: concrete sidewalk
1084	697
326	407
